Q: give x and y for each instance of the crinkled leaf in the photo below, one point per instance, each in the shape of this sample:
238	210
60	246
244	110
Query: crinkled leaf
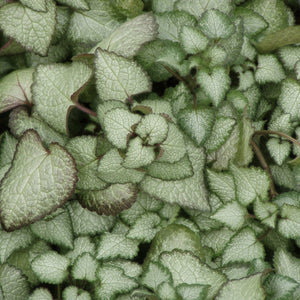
279	150
13	284
85	267
187	268
111	169
247	288
56	229
131	35
130	8
251	184
231	214
289	224
74	293
32	29
214	56
131	269
281	123
113	281
166	291
145	227
35	5
215	83
20	120
266	212
51	267
289	55
15	89
118	77
269	69
56	90
77	4
243	247
192	291
113	245
216	25
197	123
40	293
289	99
170	24
45	174
189	192
111	200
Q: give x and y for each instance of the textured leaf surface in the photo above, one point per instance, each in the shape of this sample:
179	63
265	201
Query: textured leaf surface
74	293
35	5
51	267
32	29
15	89
279	150
119	78
56	90
131	35
7	149
85	267
40	293
243	247
189	192
192	291
46	174
266	212
77	4
289	224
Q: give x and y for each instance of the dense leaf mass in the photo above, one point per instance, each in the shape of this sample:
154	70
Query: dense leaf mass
149	149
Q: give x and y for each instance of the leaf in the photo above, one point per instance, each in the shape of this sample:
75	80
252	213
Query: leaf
266	212
251	184
118	77
74	293
289	99
56	90
216	25
170	24
189	192
12	241
32	29
153	129
279	150
111	200
130	36
269	69
232	214
297	70
51	267
85	267
131	269
159	6
130	8
56	184
166	291
288	224
198	7
55	229
7	149
91	26
289	55
221	130
215	83
77	4
197	123
192	291
113	281
145	227
247	288
15	89
13	285
37	6
243	247
115	245
192	40
40	293
187	268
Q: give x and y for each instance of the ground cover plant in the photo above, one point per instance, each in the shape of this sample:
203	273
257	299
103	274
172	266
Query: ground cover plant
149	149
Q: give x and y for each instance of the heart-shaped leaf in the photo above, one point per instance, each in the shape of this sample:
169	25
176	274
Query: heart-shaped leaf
38	182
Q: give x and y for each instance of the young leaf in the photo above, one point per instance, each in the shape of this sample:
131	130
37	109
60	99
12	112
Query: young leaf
215	83
74	293
289	225
166	291
113	245
56	184
243	247
189	192
13	285
130	36
192	291
40	293
84	267
232	214
51	267
37	6
279	150
216	25
266	212
251	184
269	69
289	55
193	40
119	78
32	29
247	288
187	268
15	89
131	269
56	229
113	281
197	123
56	90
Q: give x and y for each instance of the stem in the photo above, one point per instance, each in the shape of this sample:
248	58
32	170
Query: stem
86	110
265	166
